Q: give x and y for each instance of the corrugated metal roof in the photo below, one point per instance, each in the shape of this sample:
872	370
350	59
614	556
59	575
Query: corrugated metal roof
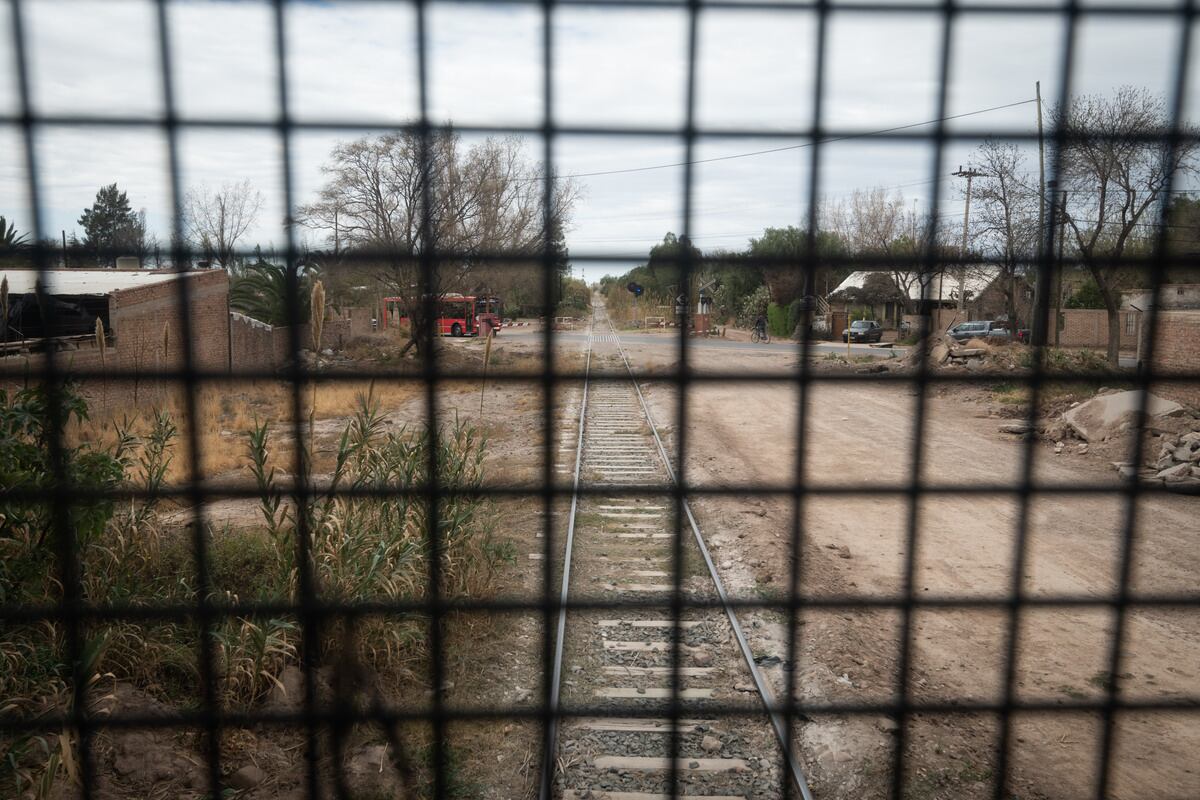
85	281
977	279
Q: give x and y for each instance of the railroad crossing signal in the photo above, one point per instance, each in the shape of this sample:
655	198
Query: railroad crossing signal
635	288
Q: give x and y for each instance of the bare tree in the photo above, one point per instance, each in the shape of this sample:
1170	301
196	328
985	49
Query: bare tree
1116	162
1004	227
217	220
429	218
880	227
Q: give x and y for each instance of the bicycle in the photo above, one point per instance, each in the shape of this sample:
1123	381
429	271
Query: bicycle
760	336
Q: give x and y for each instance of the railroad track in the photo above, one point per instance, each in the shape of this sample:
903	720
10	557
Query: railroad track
643	733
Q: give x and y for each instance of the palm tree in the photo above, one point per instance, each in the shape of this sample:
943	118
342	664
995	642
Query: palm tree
9	240
259	290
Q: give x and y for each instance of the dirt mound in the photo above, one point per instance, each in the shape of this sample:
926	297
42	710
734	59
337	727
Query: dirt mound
144	759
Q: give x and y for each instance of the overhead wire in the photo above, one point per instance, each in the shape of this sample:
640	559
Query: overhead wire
800	146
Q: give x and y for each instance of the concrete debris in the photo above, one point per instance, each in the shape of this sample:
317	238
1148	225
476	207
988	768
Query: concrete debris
1018	427
1100	417
872	368
940	353
1126	470
1189	452
1176	473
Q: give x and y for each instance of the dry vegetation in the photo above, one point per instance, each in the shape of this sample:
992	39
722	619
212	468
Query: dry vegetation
229	410
362	548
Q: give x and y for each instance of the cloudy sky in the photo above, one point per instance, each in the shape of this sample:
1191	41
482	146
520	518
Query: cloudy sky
613	67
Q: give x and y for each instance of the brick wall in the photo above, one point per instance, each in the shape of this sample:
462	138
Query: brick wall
139	316
257	347
1177	350
360	321
251	344
1088	327
21	370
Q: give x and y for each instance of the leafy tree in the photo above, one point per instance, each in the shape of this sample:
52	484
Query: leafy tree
779	254
777	320
754	304
576	297
663	270
111	227
560	259
1088	295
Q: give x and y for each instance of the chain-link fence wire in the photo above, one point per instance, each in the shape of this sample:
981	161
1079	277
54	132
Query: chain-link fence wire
317	615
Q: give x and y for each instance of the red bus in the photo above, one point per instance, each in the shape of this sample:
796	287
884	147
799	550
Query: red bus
457	314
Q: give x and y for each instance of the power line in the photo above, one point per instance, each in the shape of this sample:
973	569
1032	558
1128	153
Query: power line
801	146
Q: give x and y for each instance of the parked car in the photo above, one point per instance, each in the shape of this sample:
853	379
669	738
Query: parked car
980	329
863	330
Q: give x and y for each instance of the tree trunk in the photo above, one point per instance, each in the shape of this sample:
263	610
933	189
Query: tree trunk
1114	333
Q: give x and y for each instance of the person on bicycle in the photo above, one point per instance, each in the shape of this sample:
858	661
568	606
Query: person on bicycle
760	326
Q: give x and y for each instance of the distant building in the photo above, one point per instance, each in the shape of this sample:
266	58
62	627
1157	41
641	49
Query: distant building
1177	350
983	297
139	310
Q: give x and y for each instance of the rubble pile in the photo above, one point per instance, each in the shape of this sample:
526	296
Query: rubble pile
944	352
1171	444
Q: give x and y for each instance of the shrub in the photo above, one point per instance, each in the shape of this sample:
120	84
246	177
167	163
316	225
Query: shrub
777	320
28	480
374	546
754	304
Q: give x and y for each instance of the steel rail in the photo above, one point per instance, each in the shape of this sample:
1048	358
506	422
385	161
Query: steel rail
764	691
548	758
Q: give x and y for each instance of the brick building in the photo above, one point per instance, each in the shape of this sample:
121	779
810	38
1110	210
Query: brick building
1177	351
1088	327
141	315
1177	347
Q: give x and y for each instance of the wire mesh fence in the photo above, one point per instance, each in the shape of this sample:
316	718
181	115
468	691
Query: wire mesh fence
430	481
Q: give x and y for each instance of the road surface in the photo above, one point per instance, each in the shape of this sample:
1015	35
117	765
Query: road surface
786	346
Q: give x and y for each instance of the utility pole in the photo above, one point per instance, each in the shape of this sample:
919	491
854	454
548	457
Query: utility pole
970	174
1037	328
1041	174
1058	294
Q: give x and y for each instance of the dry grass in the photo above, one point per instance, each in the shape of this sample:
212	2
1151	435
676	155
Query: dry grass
226	413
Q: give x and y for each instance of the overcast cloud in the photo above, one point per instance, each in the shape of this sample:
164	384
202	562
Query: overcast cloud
622	67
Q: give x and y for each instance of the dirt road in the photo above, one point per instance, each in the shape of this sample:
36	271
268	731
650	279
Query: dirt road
861	435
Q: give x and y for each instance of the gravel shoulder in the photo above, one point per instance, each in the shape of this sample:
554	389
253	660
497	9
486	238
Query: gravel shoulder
861	435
